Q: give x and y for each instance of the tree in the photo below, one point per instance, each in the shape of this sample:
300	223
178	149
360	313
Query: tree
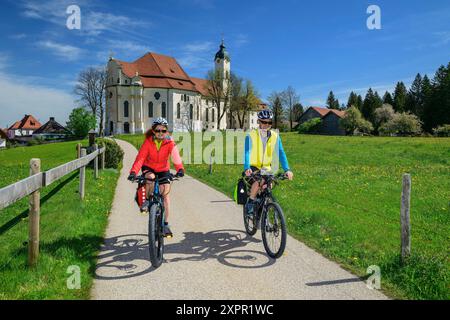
400	97
276	106
289	99
371	102
387	98
80	122
332	103
219	89
360	102
414	97
90	89
352	100
403	123
298	111
246	101
353	121
382	115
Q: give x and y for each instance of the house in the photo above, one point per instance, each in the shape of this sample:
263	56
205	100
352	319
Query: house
156	85
51	130
3	137
23	130
330	120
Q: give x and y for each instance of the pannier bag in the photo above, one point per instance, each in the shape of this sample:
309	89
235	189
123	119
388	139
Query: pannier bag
240	192
140	195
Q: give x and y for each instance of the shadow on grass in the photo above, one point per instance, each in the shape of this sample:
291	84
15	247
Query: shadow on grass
14	221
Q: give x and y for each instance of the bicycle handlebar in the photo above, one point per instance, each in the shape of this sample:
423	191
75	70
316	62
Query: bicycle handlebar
143	179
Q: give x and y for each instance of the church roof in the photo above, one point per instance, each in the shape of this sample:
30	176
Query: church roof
222	53
159	71
27	123
51	127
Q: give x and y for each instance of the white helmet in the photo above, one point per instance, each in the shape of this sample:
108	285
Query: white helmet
265	115
160	121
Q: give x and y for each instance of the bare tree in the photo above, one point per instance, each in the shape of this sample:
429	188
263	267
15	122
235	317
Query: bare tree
276	105
289	99
219	90
90	89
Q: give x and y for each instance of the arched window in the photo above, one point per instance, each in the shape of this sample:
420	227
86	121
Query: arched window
178	111
213	115
198	113
207	114
191	112
163	110
150	109
125	109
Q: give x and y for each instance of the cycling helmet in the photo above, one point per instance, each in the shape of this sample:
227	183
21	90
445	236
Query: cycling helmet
265	115
160	121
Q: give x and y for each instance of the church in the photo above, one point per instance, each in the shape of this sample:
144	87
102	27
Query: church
156	85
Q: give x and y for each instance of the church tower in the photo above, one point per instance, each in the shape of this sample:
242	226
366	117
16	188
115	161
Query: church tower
222	62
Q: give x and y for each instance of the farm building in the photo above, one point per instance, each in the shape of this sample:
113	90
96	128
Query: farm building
330	120
51	130
23	130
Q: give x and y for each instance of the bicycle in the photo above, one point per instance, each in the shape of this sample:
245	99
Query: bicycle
156	220
267	215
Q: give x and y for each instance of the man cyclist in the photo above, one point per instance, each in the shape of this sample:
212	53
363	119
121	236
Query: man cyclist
153	160
260	147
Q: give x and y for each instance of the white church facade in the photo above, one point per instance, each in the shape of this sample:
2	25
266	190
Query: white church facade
157	86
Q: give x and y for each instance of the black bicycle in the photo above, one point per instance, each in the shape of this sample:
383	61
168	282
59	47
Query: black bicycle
156	220
268	215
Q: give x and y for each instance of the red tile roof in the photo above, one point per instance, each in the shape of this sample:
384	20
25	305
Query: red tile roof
339	113
322	111
27	123
201	85
159	71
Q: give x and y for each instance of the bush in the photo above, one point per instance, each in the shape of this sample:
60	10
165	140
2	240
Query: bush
35	141
354	123
310	126
402	124
114	154
442	131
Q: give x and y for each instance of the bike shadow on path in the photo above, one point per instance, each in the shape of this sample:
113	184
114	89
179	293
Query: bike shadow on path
127	256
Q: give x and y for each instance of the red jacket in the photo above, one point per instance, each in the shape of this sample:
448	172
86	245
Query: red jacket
158	160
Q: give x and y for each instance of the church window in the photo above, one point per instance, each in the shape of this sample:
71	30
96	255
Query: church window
191	112
207	115
125	109
163	110
157	95
150	109
198	113
178	111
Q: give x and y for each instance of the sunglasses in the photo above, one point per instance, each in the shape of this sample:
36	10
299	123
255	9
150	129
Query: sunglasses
265	122
159	131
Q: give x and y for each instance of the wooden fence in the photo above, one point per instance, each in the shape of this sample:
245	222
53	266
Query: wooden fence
32	185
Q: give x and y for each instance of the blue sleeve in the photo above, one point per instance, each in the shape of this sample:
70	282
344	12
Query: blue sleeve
247	153
282	156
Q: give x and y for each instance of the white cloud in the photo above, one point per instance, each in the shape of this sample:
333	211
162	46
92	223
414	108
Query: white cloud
64	51
18	36
201	47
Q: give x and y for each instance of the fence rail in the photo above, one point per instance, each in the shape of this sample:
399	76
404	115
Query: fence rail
32	185
16	191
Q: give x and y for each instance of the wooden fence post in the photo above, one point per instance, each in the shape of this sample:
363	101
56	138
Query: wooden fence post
78	150
405	217
103	155
82	175
96	162
33	217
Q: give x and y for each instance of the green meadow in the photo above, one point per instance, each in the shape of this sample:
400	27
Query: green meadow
71	231
345	203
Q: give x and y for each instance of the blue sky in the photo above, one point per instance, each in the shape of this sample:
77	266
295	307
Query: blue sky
314	46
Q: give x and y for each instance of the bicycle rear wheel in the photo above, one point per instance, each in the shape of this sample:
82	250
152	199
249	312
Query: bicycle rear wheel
155	236
250	222
273	230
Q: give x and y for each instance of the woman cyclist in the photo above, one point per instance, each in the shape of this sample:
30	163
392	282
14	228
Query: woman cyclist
153	160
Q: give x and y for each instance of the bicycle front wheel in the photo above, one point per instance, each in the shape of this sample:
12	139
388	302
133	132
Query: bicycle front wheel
250	222
273	230
155	236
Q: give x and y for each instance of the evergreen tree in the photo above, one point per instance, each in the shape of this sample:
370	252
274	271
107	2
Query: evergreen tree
387	98
414	98
332	103
437	100
360	102
400	97
371	102
352	100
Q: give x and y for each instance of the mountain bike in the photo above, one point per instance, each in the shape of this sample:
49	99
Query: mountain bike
267	215
156	220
